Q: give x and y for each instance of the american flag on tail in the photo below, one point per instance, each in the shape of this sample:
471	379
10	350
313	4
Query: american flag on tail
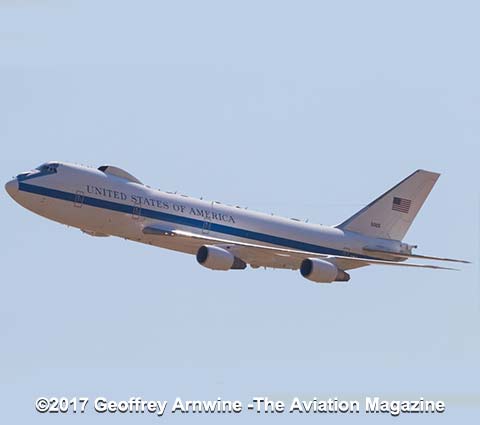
402	205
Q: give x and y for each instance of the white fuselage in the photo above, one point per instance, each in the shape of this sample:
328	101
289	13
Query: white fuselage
106	204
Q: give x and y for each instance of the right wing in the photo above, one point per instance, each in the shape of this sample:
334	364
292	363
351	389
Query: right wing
272	256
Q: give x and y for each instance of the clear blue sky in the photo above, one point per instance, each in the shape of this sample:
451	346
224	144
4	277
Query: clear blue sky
304	109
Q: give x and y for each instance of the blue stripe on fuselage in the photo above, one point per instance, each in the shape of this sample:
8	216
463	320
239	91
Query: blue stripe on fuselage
185	221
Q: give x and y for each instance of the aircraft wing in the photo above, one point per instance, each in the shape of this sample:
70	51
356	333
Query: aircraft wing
272	256
414	256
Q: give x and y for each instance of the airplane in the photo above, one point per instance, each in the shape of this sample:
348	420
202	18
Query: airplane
109	201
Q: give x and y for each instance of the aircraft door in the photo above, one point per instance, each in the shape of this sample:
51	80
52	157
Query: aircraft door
136	213
79	197
207	223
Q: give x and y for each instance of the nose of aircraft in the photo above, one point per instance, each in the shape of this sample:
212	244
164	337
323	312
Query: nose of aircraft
12	187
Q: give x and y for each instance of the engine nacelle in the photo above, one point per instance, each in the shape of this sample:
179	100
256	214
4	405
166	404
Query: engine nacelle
322	271
216	258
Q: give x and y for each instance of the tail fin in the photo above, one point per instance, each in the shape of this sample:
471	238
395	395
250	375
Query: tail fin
391	215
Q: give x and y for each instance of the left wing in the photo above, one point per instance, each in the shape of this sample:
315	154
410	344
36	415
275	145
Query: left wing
272	256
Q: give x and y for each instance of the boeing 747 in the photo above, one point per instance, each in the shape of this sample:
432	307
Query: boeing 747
108	201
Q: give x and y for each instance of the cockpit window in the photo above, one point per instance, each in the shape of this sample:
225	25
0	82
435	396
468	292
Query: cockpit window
49	168
45	169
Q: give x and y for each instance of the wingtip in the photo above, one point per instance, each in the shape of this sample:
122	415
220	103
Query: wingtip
458	261
446	268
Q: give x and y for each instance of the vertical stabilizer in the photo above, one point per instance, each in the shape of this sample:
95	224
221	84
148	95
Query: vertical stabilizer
391	215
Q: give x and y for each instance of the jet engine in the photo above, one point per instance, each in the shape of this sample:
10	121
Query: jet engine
216	258
322	271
